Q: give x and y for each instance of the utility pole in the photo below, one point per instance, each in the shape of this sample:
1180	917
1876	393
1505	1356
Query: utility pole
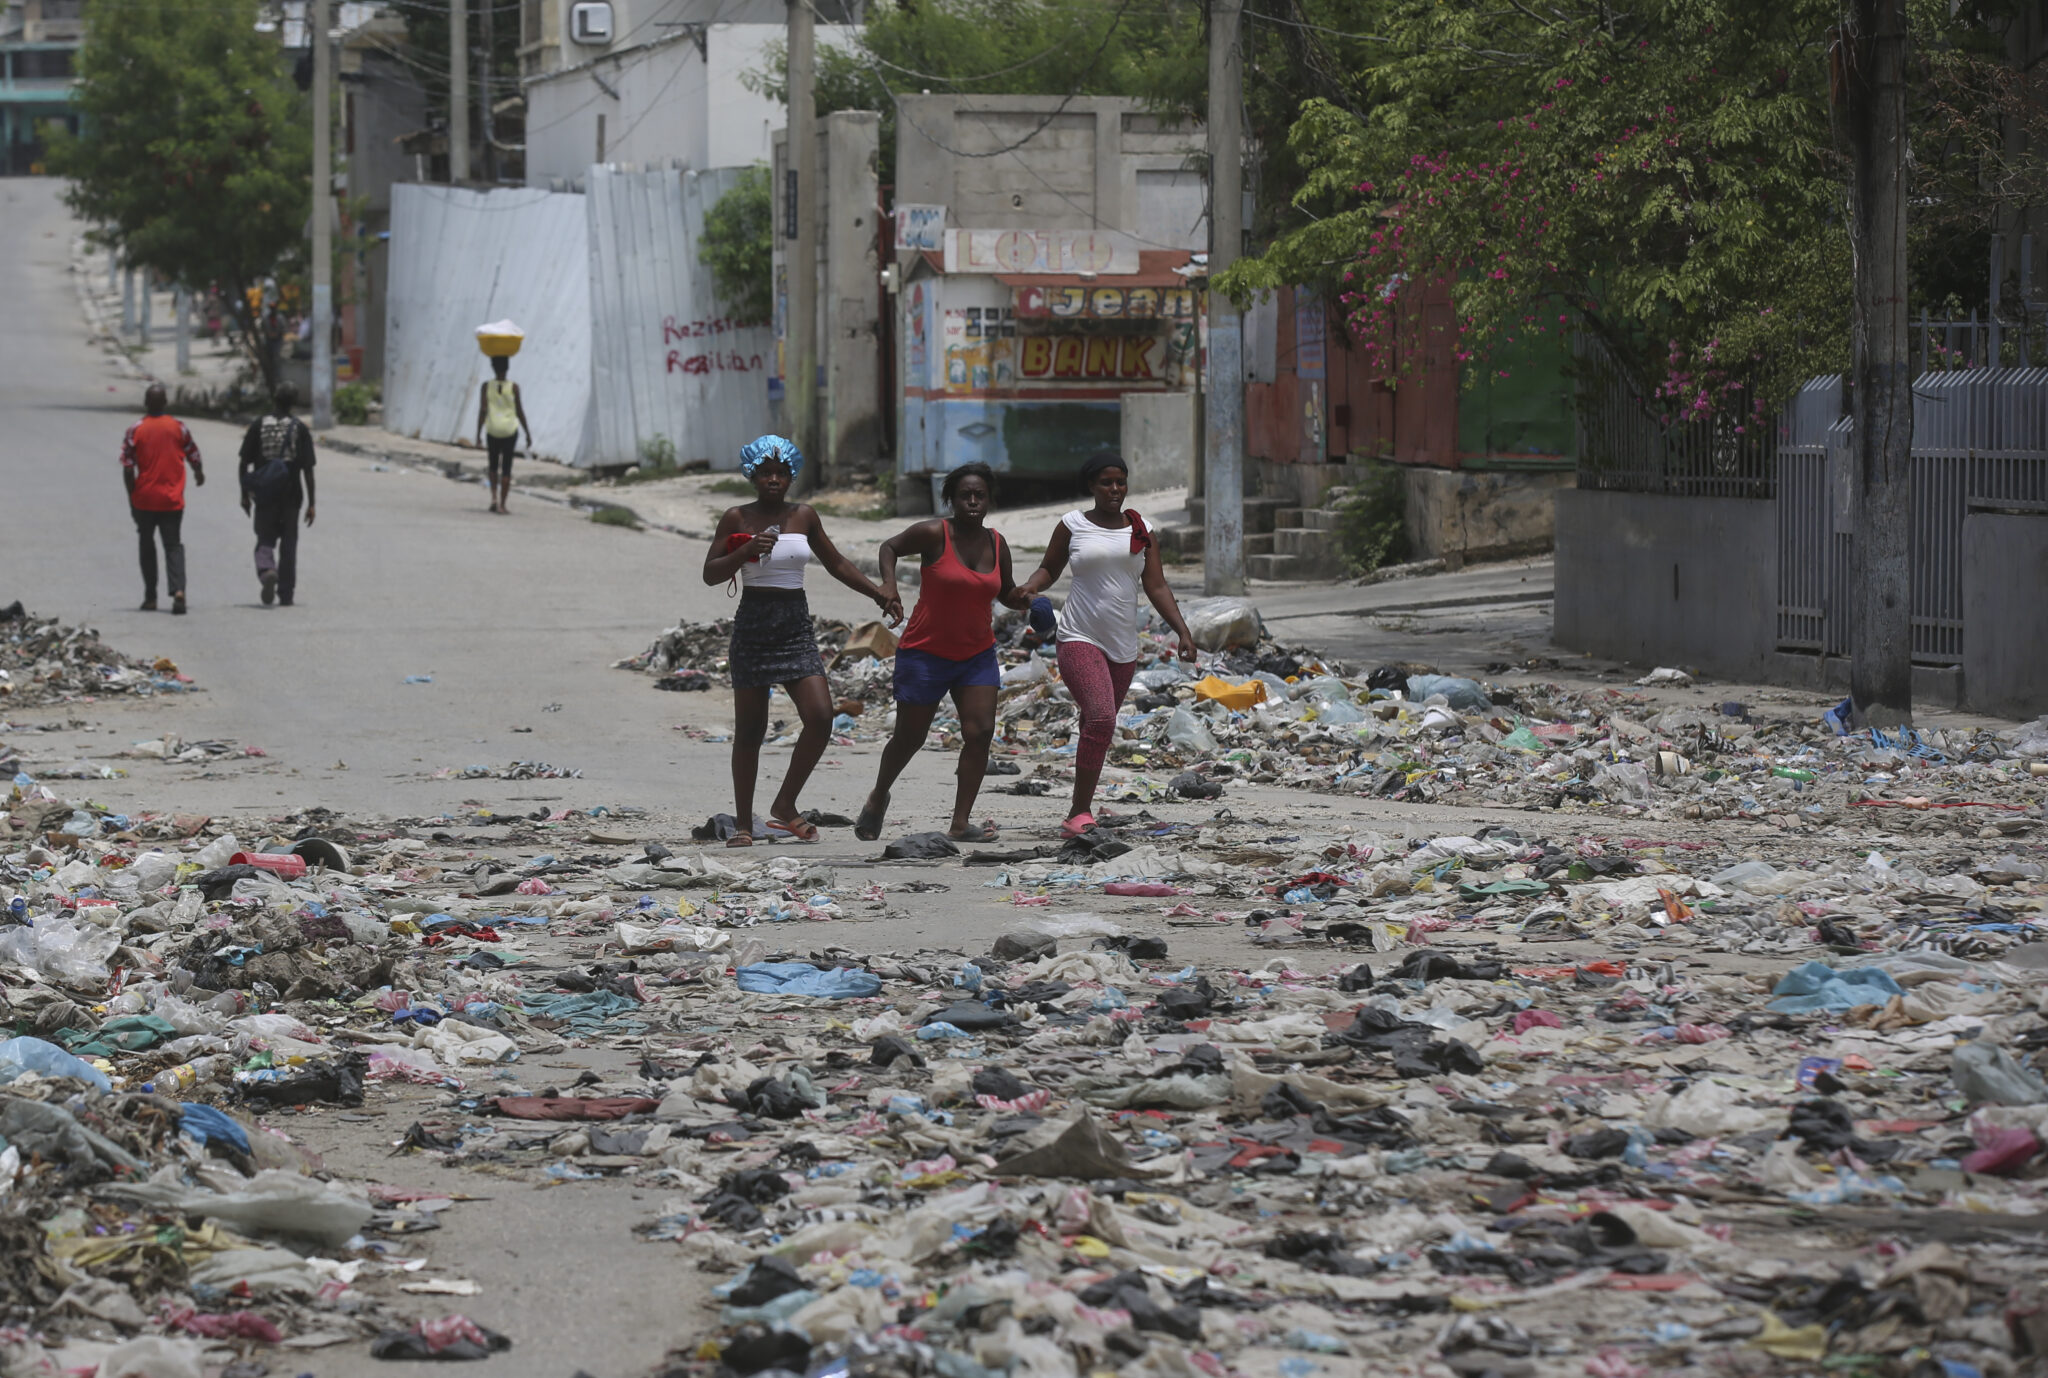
142	323
458	91
128	301
483	100
1871	58
323	243
184	336
800	347
1223	413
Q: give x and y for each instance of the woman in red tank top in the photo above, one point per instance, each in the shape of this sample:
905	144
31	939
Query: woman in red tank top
949	646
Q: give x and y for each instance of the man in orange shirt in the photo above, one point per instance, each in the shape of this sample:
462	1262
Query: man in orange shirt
154	454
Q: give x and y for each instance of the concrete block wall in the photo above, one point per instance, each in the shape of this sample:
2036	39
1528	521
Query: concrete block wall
1651	580
1693	582
1461	515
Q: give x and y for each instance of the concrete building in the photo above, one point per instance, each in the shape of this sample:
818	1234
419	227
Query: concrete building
382	102
649	83
1040	247
39	42
852	345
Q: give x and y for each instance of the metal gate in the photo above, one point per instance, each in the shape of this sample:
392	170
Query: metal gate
1980	443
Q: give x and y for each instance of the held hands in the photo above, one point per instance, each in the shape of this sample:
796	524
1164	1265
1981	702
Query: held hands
891	604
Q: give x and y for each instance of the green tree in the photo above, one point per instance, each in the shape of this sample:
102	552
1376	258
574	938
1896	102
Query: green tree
195	149
739	246
1661	175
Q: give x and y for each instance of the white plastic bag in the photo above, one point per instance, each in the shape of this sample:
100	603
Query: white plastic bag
272	1203
1221	623
1189	733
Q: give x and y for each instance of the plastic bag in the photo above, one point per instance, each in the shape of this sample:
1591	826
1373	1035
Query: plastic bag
150	871
1465	695
1625	782
272	1203
801	978
71	953
1339	713
1189	733
1032	671
21	1055
1234	696
215	854
1984	1073
1221	623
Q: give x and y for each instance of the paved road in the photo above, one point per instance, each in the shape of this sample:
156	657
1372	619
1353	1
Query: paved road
404	574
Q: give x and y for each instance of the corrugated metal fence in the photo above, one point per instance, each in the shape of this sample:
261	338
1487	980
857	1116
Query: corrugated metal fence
460	259
1980	443
666	361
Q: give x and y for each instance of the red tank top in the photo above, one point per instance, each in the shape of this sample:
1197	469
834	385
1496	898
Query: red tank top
951	618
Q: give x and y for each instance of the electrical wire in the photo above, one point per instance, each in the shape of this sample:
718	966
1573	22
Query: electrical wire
861	55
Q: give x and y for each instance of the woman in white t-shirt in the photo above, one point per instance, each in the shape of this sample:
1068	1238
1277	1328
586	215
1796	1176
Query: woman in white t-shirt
1114	558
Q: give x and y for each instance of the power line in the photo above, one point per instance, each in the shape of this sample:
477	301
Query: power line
1073	94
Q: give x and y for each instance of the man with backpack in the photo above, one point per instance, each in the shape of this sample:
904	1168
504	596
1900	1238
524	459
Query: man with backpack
277	477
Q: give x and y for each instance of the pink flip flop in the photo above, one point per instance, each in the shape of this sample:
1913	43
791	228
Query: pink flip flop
1078	825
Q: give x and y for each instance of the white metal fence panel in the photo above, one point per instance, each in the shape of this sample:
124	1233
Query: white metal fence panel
669	362
460	259
1980	443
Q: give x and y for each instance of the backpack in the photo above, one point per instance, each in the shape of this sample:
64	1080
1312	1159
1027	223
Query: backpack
279	439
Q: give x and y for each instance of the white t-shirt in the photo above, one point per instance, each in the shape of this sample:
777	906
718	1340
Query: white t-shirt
1102	604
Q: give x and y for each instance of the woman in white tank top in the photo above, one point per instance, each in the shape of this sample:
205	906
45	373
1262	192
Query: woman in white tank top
768	543
1114	559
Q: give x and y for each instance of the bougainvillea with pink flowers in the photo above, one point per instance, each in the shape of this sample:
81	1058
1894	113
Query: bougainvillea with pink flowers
1659	176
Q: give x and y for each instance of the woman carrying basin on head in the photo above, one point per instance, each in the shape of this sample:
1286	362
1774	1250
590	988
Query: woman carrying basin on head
1114	558
950	645
767	543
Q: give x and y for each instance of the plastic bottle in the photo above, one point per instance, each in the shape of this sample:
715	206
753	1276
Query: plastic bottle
176	1080
1787	773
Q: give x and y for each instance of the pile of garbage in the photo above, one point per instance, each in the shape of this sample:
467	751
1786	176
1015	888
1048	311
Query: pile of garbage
1206	1091
1253	710
43	661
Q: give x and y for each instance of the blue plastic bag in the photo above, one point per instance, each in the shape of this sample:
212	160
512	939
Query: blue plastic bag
801	978
21	1055
210	1126
1817	986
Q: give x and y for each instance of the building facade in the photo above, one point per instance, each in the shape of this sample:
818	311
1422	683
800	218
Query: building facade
649	84
1044	252
39	41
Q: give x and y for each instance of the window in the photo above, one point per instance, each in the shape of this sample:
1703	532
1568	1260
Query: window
46	63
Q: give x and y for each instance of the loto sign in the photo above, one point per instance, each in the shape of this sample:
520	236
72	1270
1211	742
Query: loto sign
1039	251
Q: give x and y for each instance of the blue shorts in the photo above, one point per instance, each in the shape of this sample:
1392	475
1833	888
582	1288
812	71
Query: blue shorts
923	678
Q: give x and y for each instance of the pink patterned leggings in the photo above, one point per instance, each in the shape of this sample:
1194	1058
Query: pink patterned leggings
1098	685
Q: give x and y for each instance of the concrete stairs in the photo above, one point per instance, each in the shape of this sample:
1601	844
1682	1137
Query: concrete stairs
1283	541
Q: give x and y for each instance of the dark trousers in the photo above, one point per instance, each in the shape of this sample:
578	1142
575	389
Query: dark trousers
277	545
147	525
